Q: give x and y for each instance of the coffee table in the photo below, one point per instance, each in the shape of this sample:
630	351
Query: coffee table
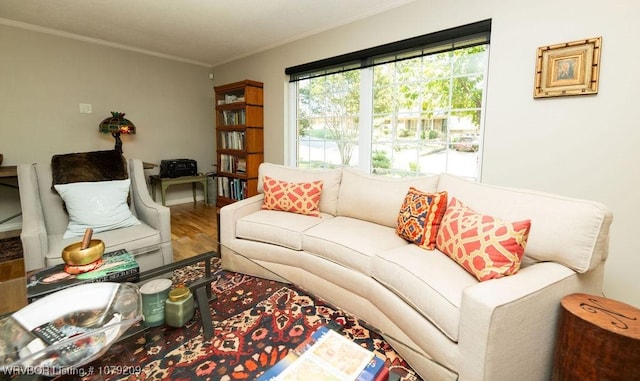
202	294
200	288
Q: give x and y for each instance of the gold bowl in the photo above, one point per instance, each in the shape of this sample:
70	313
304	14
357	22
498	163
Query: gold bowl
76	256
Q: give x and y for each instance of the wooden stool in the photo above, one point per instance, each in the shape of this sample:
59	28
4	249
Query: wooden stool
598	339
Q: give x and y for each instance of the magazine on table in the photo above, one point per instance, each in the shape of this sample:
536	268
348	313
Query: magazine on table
118	266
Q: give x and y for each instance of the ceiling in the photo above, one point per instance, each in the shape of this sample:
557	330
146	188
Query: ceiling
203	32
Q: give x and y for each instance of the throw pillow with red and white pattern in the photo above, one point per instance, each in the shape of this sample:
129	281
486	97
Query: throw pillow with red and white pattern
487	247
301	198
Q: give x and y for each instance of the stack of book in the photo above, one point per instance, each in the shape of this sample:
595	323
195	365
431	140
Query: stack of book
118	266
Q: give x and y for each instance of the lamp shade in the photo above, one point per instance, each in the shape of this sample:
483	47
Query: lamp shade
117	123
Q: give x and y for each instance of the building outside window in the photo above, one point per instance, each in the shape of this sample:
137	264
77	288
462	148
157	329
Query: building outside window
407	112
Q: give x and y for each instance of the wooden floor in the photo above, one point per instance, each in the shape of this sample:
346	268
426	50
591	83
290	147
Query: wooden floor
194	229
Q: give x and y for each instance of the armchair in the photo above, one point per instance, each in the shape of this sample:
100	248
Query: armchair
44	220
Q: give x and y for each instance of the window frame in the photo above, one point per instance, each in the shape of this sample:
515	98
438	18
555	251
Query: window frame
439	42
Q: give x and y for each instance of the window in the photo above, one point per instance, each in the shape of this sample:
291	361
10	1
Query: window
394	109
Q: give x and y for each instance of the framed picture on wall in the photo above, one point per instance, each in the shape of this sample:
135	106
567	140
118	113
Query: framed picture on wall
570	68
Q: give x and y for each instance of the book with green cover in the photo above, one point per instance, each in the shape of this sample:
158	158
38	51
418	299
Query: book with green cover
118	266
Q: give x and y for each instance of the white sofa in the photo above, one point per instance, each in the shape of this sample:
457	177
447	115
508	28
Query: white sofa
497	330
44	221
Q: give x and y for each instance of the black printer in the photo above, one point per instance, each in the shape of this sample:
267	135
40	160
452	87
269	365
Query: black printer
178	168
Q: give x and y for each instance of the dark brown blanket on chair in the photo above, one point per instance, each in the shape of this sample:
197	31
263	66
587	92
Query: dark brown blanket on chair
88	166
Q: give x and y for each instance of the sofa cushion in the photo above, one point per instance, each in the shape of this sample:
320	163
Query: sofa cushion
419	217
100	205
569	231
277	227
330	181
426	280
377	198
350	242
485	246
301	198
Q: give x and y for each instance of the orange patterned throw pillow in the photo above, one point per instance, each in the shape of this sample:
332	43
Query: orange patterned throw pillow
301	198
420	216
487	247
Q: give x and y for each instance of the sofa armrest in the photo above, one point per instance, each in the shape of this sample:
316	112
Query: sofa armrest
512	321
230	214
151	213
34	232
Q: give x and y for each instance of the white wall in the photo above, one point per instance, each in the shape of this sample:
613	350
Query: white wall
44	78
582	146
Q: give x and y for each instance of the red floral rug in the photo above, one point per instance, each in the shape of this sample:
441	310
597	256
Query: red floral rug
256	322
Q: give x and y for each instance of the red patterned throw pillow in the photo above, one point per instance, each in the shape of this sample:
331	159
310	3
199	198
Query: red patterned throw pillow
420	216
301	198
487	247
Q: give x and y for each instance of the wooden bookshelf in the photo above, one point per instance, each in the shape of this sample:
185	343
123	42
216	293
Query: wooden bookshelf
240	139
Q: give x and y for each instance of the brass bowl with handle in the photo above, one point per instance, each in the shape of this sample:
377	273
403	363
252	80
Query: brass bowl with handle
84	252
75	255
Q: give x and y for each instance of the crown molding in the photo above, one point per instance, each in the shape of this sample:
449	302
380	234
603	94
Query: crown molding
73	36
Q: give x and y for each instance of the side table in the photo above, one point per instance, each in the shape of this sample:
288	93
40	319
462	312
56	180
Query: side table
165	182
13	284
598	339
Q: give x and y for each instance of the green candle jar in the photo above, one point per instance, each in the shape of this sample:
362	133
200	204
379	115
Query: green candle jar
154	296
179	307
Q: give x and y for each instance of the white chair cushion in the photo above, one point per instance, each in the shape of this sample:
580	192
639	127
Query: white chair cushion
130	238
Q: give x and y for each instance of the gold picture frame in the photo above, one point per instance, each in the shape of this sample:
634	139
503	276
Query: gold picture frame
571	68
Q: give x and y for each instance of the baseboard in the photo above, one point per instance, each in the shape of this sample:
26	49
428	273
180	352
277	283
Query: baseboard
10	233
184	200
11	225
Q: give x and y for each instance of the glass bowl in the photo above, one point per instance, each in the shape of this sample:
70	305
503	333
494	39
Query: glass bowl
69	328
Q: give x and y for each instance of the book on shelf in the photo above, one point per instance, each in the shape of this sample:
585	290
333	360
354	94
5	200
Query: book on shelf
232	164
241	165
232	188
233	117
118	266
230	98
327	355
232	140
